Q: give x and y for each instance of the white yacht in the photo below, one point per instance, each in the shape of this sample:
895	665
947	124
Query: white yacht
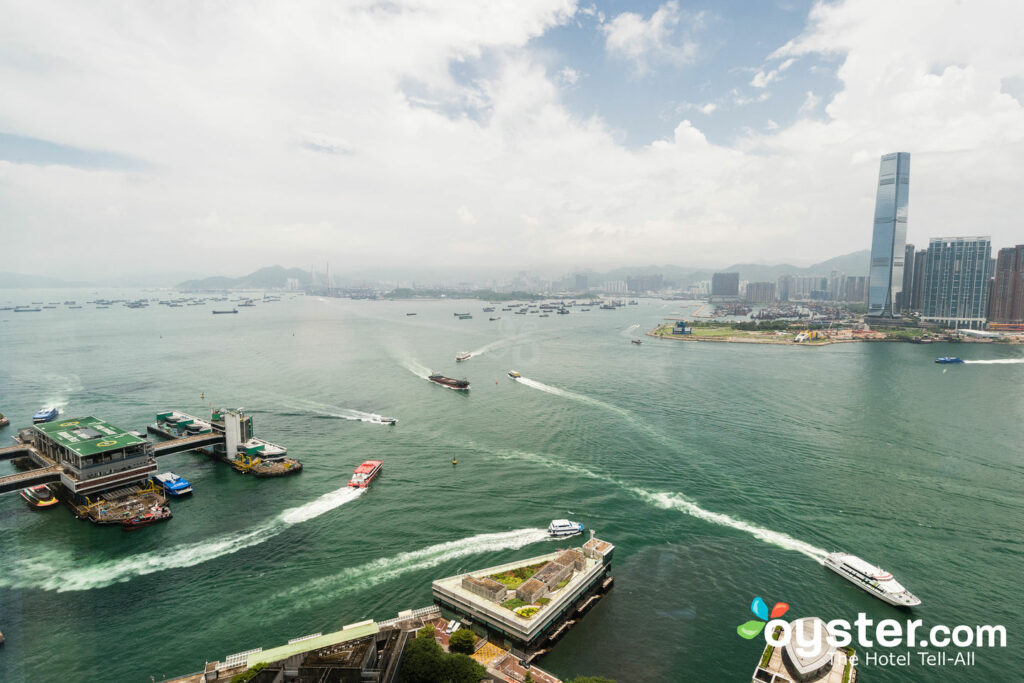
872	579
561	528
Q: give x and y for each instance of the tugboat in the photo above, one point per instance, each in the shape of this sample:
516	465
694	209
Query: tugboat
39	497
457	384
365	473
946	360
157	513
563	528
45	415
173	484
513	374
463	355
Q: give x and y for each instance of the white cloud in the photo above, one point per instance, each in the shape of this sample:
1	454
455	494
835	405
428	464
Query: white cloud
219	103
667	36
465	216
568	76
810	104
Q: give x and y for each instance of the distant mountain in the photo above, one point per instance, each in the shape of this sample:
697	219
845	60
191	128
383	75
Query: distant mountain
20	281
271	277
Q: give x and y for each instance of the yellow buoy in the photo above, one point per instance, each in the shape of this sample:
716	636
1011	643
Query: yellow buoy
454	461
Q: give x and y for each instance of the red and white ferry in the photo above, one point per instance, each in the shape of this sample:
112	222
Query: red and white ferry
365	473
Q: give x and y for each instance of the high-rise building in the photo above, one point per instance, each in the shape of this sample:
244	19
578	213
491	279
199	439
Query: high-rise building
581	282
725	285
904	298
645	283
760	292
956	281
856	290
1008	288
890	235
783	286
917	287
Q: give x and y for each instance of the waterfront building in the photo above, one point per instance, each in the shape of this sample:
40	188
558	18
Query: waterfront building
725	286
760	292
783	286
956	285
906	291
95	455
566	584
889	236
1008	287
917	287
807	657
645	283
855	289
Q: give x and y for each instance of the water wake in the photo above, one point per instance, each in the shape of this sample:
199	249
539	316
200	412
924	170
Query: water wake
58	570
565	393
416	368
328	410
384	569
1000	361
675	501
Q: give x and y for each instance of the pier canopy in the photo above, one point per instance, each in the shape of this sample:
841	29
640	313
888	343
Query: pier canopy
87	436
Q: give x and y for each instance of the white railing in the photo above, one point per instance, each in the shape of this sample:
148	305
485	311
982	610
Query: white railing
302	638
237	659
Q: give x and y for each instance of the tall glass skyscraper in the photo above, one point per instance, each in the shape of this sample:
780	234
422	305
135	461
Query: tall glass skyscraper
890	236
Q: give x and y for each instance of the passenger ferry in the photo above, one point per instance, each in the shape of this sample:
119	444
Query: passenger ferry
872	579
45	415
365	473
563	528
463	355
946	360
39	497
172	484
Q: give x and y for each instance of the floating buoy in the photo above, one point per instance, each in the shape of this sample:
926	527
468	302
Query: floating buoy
454	461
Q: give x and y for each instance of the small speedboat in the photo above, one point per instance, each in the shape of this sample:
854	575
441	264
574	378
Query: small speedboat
637	341
946	360
388	421
562	528
513	374
39	497
45	415
463	355
157	513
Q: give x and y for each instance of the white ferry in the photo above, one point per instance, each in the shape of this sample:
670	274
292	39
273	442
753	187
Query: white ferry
872	579
561	528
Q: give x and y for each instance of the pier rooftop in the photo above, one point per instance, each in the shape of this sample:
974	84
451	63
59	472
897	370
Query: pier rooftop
543	593
88	436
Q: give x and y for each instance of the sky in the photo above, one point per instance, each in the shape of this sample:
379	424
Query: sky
172	138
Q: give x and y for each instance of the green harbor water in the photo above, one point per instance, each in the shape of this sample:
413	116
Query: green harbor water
721	472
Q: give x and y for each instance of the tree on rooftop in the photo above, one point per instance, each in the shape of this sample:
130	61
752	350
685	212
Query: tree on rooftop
423	662
462	669
462	641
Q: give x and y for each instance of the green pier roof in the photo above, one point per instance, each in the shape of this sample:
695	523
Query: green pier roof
87	435
350	632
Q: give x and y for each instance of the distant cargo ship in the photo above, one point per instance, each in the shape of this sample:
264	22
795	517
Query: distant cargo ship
233	310
460	384
365	473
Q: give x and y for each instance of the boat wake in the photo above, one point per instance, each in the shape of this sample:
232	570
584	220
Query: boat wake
565	393
628	331
365	576
999	361
673	501
416	368
327	410
61	571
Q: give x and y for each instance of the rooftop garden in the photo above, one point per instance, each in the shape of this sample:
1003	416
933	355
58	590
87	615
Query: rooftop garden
514	578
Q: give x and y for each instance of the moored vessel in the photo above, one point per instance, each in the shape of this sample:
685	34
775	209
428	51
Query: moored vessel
173	484
156	513
365	473
458	384
871	579
45	415
563	528
39	497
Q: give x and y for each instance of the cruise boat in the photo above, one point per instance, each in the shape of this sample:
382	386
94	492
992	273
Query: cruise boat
173	484
365	473
39	497
563	528
458	384
45	415
946	360
513	374
157	513
872	579
463	355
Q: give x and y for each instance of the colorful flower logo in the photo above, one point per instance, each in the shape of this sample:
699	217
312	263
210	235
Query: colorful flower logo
753	628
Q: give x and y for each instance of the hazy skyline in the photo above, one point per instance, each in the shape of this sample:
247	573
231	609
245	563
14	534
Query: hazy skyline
192	139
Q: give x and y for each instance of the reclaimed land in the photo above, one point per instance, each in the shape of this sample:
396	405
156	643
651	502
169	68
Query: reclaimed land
729	333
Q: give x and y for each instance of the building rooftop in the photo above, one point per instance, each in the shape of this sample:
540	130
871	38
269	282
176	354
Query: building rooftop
87	435
301	645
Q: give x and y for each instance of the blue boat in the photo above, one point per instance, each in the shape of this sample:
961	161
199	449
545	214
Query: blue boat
45	415
172	484
946	360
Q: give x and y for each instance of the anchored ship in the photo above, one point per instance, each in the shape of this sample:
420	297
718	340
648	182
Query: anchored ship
459	384
871	579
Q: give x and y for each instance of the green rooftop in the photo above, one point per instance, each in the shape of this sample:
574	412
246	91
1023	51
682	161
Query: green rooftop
350	632
87	435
